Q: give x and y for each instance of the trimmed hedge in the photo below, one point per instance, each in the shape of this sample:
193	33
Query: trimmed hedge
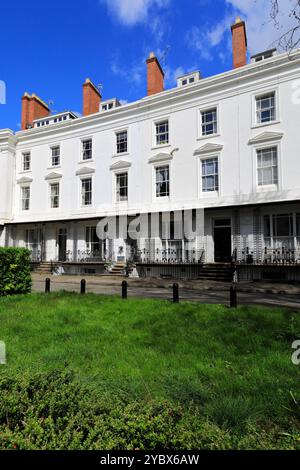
15	277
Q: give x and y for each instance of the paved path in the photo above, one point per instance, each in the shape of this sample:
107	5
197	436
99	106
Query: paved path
211	293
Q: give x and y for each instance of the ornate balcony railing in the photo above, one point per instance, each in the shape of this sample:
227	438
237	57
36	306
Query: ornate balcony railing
84	256
269	256
168	256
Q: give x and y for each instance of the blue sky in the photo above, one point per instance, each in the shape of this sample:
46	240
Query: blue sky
49	48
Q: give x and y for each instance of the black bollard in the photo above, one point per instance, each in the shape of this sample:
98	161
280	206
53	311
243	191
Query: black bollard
82	286
233	297
47	285
124	290
175	293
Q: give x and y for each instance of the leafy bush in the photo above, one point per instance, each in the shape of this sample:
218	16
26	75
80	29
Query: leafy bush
56	411
14	271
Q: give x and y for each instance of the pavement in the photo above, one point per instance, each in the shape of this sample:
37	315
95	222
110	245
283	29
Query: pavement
259	293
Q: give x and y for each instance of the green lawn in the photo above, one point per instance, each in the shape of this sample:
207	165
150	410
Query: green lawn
146	374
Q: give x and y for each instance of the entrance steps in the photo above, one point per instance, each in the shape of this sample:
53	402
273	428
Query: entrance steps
217	272
44	268
117	269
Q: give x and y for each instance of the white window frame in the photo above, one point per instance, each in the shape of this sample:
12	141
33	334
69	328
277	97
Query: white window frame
258	94
199	111
116	132
156	122
204	159
155	167
116	174
26	152
270	187
82	178
206	110
209	194
50	194
271	166
82	140
51	156
23	187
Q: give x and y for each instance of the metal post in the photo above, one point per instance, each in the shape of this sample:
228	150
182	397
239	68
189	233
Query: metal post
82	286
175	293
47	285
233	297
124	289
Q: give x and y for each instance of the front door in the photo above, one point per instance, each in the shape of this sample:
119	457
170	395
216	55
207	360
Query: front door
222	241
62	244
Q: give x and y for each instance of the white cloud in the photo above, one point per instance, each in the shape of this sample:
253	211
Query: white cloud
262	33
133	74
131	12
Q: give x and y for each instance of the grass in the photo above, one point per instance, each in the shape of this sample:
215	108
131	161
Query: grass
233	367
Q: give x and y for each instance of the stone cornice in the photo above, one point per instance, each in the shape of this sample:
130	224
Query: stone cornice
160	157
227	81
208	148
53	176
120	165
266	137
85	171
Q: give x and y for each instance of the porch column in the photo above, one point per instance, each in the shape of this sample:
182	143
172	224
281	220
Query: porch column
257	235
75	241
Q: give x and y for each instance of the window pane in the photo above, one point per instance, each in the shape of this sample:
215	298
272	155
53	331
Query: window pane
121	142
55	156
86	192
162	181
122	187
210	175
265	106
267	171
87	149
162	132
209	121
54	195
282	225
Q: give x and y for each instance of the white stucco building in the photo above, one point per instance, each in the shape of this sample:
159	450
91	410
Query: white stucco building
227	144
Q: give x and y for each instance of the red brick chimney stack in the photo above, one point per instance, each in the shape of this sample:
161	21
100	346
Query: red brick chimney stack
91	98
32	108
239	43
155	76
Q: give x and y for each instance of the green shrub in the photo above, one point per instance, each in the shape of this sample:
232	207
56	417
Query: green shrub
54	411
15	275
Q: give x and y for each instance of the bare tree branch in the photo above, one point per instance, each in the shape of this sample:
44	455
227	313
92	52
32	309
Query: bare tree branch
290	39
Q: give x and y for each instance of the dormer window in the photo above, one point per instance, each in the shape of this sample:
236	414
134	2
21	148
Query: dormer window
188	79
110	104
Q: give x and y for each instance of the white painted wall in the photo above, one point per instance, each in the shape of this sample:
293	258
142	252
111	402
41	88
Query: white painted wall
233	93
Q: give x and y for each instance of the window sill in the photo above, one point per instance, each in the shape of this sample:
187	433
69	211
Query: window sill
86	161
156	147
162	199
265	124
57	167
266	188
211	136
209	194
124	154
25	172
